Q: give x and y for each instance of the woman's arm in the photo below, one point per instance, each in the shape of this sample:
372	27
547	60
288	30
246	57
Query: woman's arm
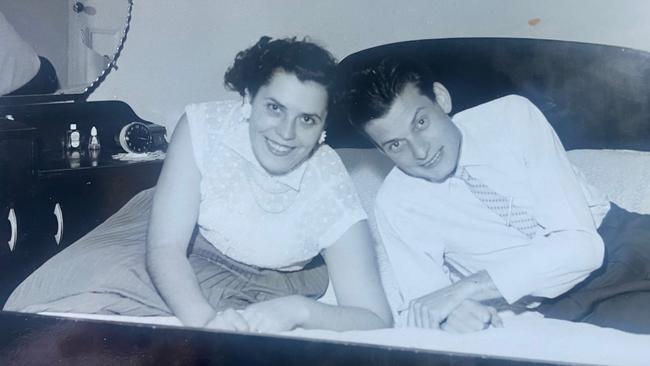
173	217
353	271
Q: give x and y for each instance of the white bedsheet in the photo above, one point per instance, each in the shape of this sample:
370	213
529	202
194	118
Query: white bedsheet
525	336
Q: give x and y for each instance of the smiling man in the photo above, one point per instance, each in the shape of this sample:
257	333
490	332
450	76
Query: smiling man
485	207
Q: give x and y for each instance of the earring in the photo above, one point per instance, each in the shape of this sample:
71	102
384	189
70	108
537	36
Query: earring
246	110
322	137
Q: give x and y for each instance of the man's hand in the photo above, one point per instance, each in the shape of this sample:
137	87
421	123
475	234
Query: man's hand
429	311
471	316
432	310
284	313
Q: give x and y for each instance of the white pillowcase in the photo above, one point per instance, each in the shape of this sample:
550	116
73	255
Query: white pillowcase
623	175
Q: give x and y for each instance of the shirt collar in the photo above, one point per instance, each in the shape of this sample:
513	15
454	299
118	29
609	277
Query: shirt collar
471	152
239	141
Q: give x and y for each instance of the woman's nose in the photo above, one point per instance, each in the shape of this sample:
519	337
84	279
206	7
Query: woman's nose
286	128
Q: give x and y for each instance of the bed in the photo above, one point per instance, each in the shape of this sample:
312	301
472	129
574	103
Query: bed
597	99
525	337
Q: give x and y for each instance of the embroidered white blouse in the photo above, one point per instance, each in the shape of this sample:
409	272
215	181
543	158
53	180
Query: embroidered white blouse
278	222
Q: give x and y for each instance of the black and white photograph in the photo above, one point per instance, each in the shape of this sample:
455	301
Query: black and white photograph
285	182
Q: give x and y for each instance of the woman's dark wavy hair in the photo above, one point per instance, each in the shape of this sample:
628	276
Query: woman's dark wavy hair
253	67
368	92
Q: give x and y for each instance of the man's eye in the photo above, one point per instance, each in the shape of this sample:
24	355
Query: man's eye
273	107
422	122
395	146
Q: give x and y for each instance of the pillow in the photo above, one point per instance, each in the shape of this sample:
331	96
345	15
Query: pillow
623	175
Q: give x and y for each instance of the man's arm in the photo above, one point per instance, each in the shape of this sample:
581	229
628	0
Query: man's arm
567	248
417	262
415	257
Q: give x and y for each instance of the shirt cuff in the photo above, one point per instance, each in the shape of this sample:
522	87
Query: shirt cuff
511	287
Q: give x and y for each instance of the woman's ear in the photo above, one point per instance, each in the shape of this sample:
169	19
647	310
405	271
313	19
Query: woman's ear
443	98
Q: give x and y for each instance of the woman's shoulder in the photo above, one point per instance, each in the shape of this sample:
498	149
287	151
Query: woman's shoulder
326	160
214	105
214	116
330	170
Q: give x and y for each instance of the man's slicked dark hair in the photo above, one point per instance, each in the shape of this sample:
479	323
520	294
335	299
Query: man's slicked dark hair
254	66
368	93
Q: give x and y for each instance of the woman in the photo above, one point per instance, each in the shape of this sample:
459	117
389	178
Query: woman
268	197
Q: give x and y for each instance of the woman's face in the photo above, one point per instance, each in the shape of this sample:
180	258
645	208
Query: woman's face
287	118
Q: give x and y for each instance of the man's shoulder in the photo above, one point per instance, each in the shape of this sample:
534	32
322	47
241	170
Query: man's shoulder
495	119
398	190
502	106
389	188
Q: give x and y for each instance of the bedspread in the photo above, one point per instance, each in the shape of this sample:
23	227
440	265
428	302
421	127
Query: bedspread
524	336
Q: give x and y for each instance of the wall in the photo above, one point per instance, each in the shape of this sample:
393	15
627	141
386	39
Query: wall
177	52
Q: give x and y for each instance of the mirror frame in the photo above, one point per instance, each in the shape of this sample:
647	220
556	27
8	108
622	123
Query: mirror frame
76	97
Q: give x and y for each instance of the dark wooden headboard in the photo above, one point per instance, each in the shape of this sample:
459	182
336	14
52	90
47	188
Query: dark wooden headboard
595	96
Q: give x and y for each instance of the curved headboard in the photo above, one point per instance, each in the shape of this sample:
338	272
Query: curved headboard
595	96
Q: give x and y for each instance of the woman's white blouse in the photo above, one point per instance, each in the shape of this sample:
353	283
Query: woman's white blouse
278	222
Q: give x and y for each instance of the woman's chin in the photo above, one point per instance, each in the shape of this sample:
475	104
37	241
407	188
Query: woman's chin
278	168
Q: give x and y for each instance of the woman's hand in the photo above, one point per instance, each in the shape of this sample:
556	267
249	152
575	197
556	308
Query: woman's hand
228	319
277	315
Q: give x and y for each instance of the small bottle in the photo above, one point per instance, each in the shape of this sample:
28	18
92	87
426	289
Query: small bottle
93	141
93	146
72	138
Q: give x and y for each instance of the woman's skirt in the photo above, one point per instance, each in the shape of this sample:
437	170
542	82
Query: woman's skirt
104	272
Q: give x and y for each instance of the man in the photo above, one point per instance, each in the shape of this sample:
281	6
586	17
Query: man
486	207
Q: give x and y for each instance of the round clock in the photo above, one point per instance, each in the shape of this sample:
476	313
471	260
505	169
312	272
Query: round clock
135	137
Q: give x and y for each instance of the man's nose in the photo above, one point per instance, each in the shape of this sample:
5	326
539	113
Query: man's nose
286	128
419	149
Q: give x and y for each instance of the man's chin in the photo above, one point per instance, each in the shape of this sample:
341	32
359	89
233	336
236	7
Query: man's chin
429	176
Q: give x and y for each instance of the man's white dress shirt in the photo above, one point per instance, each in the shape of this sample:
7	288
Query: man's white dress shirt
509	145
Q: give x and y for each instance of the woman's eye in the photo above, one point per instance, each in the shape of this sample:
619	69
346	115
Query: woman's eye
422	122
307	120
273	107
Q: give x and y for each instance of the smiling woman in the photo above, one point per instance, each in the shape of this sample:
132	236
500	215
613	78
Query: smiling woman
251	216
287	119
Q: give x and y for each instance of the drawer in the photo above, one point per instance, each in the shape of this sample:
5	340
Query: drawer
31	247
86	199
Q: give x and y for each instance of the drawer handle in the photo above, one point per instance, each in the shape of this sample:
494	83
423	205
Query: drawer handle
14	229
59	223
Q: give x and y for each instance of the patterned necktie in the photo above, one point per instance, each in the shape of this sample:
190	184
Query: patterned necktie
514	216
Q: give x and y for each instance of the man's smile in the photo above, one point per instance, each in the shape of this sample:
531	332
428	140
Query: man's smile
435	159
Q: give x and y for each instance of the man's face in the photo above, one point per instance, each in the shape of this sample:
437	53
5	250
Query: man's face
418	136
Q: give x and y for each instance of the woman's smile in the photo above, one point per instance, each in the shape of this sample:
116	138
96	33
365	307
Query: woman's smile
277	148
